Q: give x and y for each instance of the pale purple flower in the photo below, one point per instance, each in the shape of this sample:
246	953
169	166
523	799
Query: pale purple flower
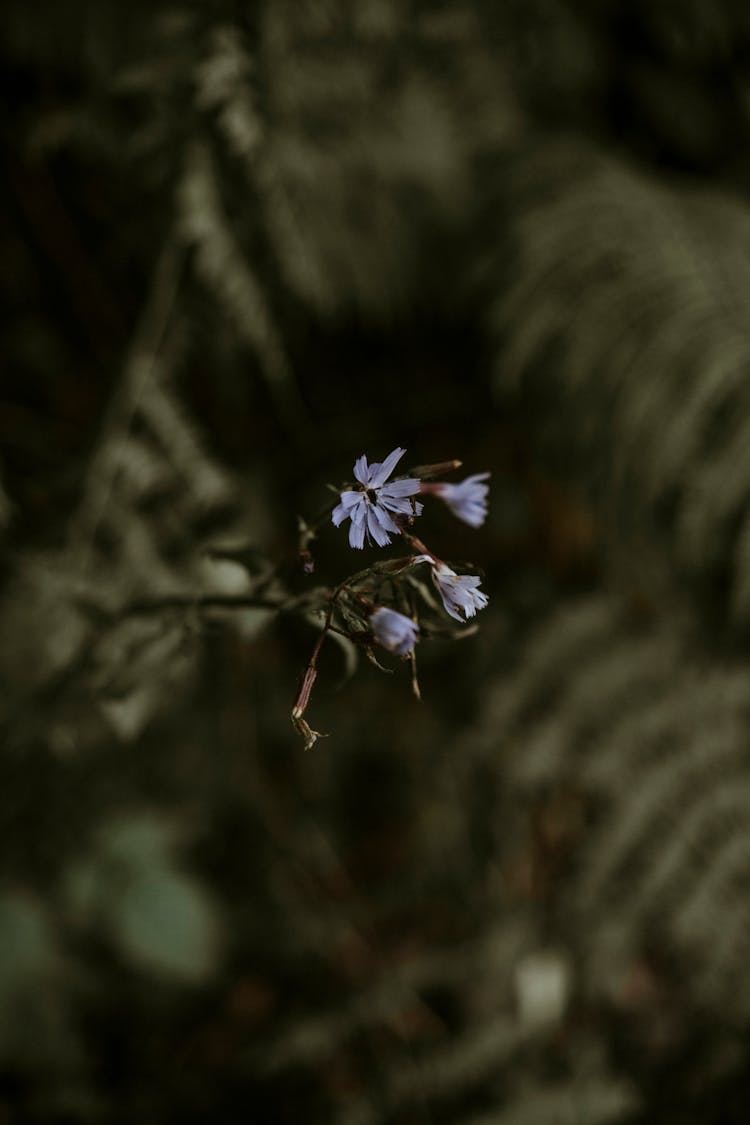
394	631
372	506
460	592
467	499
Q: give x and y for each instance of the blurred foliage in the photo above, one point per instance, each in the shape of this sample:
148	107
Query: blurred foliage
239	246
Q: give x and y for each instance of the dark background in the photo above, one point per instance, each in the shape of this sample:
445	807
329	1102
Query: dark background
240	245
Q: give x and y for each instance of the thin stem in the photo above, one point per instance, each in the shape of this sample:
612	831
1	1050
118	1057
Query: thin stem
147	607
308	679
417	544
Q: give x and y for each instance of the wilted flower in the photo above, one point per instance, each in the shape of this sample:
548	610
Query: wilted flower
394	631
370	506
467	499
460	592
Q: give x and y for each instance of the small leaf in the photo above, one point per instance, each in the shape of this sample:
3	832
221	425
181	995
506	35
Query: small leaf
26	946
164	922
141	841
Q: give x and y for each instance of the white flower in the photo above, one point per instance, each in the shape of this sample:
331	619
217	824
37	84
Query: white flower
371	507
460	592
467	499
394	631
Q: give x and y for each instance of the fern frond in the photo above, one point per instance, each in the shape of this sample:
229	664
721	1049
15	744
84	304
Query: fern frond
388	995
585	1099
226	271
651	736
225	85
628	309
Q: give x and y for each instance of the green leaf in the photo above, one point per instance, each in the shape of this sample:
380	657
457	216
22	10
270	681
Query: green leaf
26	946
139	840
164	922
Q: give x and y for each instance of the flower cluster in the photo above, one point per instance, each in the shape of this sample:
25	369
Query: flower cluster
373	505
378	509
387	603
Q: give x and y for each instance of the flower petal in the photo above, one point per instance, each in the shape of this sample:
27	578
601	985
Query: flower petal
357	535
401	506
342	510
386	519
338	515
409	486
449	606
361	471
379	473
349	499
376	529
